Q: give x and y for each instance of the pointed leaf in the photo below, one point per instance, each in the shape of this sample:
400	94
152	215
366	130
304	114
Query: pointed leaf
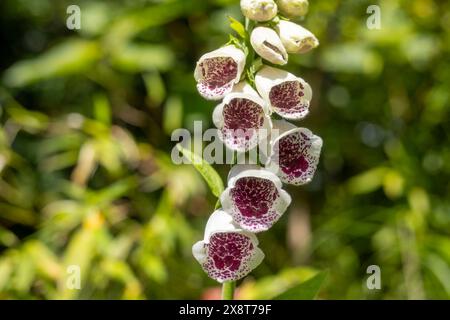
237	26
307	290
205	169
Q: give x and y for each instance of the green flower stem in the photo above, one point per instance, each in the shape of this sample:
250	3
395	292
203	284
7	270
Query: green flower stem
250	72
228	290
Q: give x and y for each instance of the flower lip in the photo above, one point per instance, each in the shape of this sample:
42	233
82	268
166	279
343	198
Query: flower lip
242	119
288	95
295	153
227	253
268	45
254	197
217	71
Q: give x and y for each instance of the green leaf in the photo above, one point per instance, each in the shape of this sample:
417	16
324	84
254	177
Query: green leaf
205	169
307	290
172	114
238	27
127	26
368	181
135	57
73	56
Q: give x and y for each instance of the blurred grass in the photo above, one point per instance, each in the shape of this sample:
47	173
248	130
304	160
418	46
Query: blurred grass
86	176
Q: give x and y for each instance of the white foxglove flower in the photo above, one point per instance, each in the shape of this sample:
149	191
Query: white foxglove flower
268	45
287	95
227	253
254	197
294	153
293	8
242	118
217	71
295	38
259	10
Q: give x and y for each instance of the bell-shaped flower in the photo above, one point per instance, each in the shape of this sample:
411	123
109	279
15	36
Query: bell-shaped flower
294	153
254	197
227	253
295	38
242	118
259	10
286	94
218	71
268	45
293	8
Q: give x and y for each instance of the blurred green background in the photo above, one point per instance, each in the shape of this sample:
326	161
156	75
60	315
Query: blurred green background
86	176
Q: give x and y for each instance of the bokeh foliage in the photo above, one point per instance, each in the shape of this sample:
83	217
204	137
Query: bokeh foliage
86	176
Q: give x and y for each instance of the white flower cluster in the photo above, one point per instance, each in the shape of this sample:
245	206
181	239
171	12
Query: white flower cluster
254	199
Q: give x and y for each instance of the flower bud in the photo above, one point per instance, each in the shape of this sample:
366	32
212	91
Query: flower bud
293	8
259	10
268	45
295	38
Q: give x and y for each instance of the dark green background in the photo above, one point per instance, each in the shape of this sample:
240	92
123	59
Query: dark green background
86	176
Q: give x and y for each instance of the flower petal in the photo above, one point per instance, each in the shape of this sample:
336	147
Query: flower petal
258	257
289	99
231	256
295	154
199	251
254	198
217	71
242	120
219	221
288	95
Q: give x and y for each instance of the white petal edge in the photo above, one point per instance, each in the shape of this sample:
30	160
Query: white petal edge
219	221
244	87
199	252
242	171
258	257
285	201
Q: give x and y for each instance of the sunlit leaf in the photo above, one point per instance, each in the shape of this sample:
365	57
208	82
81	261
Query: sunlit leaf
70	57
212	178
143	57
368	181
173	114
237	26
307	290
